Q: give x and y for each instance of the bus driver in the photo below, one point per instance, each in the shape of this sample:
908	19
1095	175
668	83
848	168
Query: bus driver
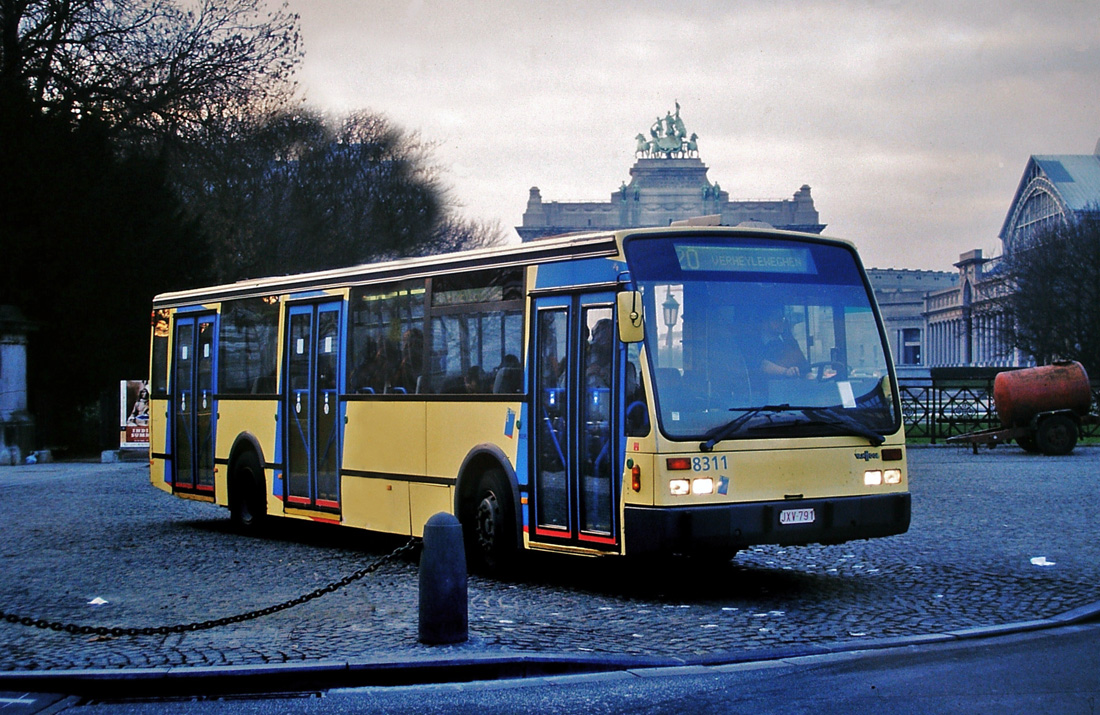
781	355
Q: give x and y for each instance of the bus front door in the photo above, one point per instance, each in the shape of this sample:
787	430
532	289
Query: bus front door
192	411
575	493
312	423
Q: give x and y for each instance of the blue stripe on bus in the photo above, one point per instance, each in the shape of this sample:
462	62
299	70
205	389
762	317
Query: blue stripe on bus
522	476
571	273
313	294
277	473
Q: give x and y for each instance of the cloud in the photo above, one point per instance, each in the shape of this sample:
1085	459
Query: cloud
911	121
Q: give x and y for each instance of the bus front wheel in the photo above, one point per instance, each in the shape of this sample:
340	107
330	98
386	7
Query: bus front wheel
247	506
490	523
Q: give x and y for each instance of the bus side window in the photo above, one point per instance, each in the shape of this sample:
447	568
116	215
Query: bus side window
249	346
386	351
476	332
159	377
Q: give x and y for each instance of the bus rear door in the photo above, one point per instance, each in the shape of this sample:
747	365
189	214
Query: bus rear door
312	412
192	413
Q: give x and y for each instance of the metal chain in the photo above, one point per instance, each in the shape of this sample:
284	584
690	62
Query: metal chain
74	629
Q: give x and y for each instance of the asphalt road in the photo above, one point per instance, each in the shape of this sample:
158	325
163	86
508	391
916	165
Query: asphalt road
999	537
1054	671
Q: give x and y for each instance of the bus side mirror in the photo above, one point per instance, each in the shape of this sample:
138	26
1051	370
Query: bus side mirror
629	306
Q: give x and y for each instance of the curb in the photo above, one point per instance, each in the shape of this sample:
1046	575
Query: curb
316	675
380	671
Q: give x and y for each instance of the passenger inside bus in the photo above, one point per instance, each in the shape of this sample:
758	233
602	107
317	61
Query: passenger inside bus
365	379
474	381
598	364
406	376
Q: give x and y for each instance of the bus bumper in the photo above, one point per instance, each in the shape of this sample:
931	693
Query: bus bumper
729	527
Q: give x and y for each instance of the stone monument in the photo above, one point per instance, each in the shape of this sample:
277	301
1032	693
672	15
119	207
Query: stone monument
668	182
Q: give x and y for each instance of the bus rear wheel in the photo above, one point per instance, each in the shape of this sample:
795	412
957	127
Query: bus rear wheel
490	524
247	506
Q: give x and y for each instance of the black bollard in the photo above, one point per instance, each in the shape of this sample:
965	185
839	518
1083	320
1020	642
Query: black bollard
444	612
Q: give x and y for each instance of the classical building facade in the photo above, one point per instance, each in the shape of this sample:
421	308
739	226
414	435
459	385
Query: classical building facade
668	182
964	325
901	300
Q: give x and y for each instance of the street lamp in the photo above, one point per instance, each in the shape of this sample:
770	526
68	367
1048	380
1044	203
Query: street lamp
670	310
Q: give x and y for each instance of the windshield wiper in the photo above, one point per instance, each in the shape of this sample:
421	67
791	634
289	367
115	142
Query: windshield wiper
721	432
830	416
817	415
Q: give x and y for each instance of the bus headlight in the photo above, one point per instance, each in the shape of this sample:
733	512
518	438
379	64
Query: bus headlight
705	485
872	478
679	487
892	476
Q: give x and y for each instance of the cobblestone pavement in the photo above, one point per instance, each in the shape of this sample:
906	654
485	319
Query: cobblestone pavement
74	533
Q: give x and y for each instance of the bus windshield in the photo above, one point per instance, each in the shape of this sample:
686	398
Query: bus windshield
752	337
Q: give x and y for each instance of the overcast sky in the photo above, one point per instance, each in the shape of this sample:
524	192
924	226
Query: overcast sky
911	121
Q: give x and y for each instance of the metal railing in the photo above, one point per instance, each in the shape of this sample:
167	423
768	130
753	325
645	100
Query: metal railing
940	408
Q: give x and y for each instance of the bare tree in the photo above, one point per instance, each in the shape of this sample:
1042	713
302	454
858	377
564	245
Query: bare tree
94	97
1052	293
294	192
457	234
145	69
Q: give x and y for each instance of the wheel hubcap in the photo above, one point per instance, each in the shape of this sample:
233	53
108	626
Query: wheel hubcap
488	516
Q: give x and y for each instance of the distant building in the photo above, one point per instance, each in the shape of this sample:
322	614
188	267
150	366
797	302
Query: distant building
933	318
961	324
668	182
965	328
901	300
1052	188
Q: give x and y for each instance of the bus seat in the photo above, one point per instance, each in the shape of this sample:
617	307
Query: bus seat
453	385
509	380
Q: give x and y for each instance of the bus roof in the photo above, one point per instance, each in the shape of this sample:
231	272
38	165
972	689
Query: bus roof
544	250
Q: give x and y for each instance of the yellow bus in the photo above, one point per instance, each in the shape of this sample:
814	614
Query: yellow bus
659	391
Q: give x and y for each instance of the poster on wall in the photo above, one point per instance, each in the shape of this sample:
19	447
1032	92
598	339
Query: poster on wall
134	407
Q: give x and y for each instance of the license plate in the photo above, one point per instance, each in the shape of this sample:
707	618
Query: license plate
796	516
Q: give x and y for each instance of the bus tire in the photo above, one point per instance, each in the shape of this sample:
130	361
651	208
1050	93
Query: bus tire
1056	435
490	524
247	502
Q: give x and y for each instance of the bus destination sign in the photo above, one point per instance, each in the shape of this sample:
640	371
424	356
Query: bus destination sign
744	259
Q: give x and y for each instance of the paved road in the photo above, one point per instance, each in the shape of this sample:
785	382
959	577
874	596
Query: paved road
1052	671
998	537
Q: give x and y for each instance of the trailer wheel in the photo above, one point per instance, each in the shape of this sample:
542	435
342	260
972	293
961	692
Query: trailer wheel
1056	435
1028	443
